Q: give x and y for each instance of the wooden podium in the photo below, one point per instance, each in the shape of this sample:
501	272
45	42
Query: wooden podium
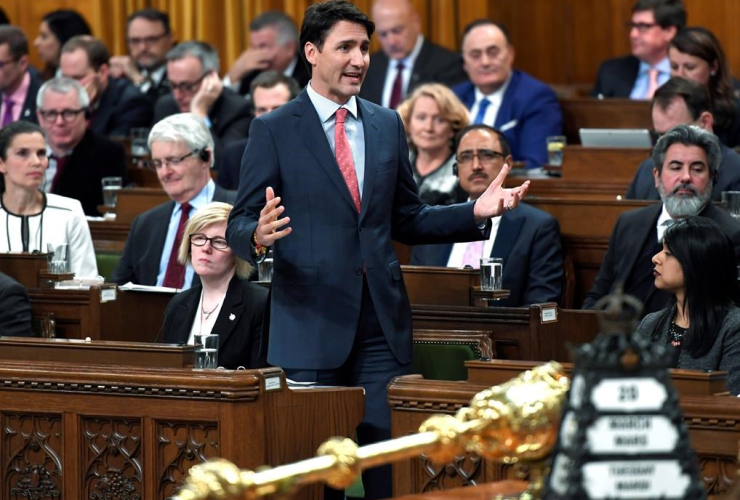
73	430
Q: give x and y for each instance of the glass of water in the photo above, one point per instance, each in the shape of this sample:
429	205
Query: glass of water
731	203
555	145
111	186
264	269
491	272
206	352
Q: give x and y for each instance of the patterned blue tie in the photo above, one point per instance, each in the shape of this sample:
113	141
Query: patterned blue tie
482	107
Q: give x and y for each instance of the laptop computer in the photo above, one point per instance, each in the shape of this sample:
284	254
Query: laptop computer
615	138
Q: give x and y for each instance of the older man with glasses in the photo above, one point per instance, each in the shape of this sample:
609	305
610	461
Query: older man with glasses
78	157
182	156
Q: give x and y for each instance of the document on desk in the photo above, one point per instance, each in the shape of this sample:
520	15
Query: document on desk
131	287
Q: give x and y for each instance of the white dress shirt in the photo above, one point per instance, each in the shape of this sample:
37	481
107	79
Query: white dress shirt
496	99
390	74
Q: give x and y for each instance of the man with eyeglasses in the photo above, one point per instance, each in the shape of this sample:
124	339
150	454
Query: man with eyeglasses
182	156
192	70
527	239
79	157
19	82
148	38
653	25
684	102
116	106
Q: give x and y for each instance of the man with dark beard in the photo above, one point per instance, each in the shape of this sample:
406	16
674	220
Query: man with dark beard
686	159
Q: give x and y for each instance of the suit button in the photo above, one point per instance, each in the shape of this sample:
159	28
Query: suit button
358	271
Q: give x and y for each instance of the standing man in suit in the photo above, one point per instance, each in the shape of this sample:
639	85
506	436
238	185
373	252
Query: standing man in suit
182	155
79	158
407	59
148	38
19	83
523	108
116	105
339	312
653	25
527	239
686	159
273	45
684	102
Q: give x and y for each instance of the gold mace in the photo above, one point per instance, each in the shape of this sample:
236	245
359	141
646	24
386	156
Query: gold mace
514	421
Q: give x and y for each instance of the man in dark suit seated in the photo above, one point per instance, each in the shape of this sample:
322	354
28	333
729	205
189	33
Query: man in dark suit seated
192	70
116	105
686	159
148	38
79	158
653	25
527	239
407	58
273	45
684	102
523	108
182	154
19	83
269	91
15	308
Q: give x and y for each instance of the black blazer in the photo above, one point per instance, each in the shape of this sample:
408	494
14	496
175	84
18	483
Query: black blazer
231	164
28	112
239	323
121	107
15	308
145	243
616	77
92	159
435	64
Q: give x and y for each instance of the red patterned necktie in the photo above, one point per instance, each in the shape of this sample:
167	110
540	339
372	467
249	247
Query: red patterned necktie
174	277
343	153
397	90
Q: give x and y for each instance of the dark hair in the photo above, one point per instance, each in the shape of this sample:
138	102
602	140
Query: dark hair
271	78
485	22
667	13
694	94
505	148
16	40
700	42
707	258
97	52
153	15
202	51
283	25
4	19
10	131
689	135
65	24
320	19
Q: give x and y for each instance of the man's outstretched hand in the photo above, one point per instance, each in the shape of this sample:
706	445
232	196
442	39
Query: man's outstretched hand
269	226
496	198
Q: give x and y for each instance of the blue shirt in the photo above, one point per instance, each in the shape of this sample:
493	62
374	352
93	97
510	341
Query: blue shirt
642	82
203	198
326	110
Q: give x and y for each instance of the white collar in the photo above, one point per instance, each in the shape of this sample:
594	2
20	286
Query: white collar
496	95
326	108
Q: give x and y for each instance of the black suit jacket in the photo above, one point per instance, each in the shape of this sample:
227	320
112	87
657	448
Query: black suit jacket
28	112
435	64
145	243
231	163
528	240
728	178
15	308
93	158
300	73
616	77
239	323
121	107
633	230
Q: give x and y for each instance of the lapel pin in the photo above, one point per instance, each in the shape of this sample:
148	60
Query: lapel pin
232	317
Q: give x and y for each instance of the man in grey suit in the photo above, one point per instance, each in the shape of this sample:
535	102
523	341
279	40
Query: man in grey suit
182	154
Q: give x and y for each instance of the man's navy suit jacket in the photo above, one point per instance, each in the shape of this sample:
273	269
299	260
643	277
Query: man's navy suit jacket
728	178
529	113
528	240
616	77
319	268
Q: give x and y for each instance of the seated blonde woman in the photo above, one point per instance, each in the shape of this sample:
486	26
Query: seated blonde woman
31	219
225	302
433	115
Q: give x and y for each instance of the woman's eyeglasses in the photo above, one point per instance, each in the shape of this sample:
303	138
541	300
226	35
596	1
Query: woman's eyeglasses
200	240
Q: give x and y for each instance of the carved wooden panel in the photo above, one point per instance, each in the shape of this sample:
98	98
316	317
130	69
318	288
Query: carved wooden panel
32	456
112	459
464	470
180	445
718	473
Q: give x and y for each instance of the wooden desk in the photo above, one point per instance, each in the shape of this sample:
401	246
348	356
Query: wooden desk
23	267
487	491
134	201
615	164
581	113
84	431
602	189
712	421
109	236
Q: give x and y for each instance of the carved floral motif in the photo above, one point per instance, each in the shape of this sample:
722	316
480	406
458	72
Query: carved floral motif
113	458
32	447
182	445
463	471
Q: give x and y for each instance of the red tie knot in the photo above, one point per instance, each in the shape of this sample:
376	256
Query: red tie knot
341	115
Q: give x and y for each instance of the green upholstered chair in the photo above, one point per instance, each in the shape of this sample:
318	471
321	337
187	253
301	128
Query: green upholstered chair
107	263
441	354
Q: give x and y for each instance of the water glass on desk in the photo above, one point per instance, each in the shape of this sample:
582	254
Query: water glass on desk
57	258
731	203
139	142
111	186
491	272
264	268
555	145
206	352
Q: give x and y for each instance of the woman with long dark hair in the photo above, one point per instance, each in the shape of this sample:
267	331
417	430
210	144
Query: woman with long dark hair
696	54
56	28
702	321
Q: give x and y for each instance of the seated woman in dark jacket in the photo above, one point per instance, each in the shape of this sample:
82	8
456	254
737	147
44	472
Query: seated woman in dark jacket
224	302
702	322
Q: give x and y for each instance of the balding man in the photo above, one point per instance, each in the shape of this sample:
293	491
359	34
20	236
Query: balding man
407	59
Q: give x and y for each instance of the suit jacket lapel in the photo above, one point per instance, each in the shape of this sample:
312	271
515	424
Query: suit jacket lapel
372	145
508	232
185	314
309	127
504	111
644	234
231	311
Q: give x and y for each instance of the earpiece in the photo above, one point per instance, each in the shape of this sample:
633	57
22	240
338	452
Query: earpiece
88	113
454	170
204	154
